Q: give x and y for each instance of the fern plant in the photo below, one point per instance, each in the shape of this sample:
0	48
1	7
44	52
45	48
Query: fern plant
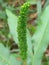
18	29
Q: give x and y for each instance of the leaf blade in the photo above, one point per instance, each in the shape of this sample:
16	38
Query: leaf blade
41	38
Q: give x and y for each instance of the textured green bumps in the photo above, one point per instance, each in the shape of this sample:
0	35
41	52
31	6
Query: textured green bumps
21	28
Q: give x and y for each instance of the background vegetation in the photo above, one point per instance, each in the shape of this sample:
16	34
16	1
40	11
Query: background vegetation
8	36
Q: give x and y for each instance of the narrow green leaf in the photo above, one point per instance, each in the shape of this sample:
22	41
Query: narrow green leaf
30	52
41	38
12	22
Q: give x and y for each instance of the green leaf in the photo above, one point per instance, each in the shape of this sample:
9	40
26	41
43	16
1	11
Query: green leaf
30	52
41	38
12	22
6	58
29	42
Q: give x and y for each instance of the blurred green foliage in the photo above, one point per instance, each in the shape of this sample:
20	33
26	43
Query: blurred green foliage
14	6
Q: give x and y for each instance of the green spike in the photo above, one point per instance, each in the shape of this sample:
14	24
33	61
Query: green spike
21	28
